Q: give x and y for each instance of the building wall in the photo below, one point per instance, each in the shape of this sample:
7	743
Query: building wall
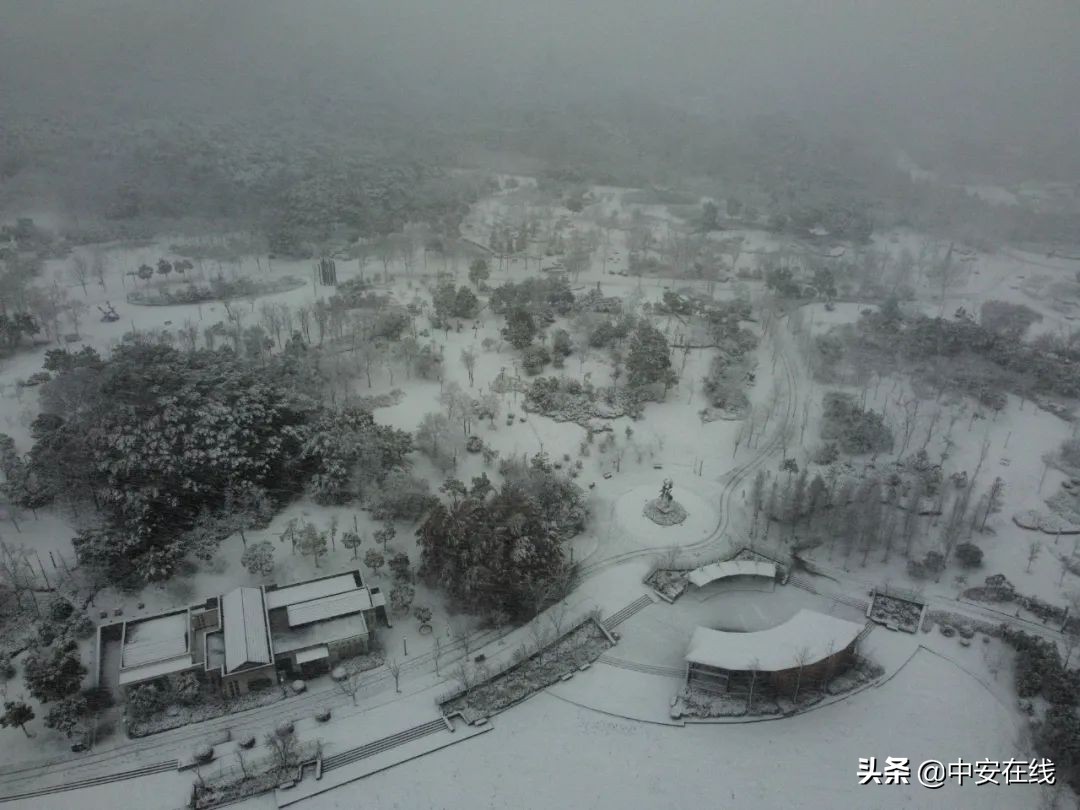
239	683
714	679
348	647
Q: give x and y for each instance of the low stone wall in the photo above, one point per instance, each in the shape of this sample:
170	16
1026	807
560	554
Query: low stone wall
576	648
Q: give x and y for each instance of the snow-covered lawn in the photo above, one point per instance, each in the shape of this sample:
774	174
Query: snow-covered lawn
549	752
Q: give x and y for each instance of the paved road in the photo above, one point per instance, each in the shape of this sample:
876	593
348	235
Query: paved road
171	745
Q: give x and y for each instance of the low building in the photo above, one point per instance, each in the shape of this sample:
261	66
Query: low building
249	638
810	646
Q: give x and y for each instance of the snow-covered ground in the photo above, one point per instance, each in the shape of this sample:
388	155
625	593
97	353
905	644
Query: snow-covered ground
567	747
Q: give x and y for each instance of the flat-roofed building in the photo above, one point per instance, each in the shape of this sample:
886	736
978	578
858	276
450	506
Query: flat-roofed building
242	640
809	645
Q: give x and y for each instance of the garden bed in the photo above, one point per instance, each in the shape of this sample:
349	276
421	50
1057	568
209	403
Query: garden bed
176	716
668	583
698	703
579	646
257	777
216	290
568	400
894	611
674	515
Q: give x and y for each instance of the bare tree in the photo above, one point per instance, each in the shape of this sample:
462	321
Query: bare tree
539	635
464	676
80	271
1034	548
394	666
557	618
930	428
802	658
468	359
1070	638
753	668
17	573
303	315
350	685
97	268
188	334
282	744
75	312
994	498
911	420
436	653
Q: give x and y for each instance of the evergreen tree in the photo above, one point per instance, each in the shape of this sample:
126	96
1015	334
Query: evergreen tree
649	360
312	542
374	560
352	540
869	516
16	713
520	328
797	502
757	498
67	715
479	272
817	498
258	558
53	673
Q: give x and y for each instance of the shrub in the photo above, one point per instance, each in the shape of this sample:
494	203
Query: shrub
856	431
401	596
60	609
186	689
144	701
827	454
401	497
534	358
399	565
969	555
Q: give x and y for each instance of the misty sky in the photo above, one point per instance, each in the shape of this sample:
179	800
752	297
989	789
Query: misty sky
988	65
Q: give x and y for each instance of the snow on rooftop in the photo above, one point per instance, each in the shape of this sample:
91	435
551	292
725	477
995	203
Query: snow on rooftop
312	654
288	639
306	591
732	568
155	639
155	669
317	610
775	649
246	638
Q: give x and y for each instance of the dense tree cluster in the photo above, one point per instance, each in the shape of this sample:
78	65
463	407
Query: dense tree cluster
1040	672
500	549
454	303
175	447
544	296
401	496
855	430
649	359
1008	319
981	360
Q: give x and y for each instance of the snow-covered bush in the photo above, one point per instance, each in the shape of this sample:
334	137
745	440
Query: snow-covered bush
401	497
969	555
855	430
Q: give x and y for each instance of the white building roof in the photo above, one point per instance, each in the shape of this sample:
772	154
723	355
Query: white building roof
246	638
317	610
803	639
306	591
732	568
312	654
288	639
155	638
155	669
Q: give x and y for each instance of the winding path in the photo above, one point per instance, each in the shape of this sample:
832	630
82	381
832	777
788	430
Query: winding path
733	478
